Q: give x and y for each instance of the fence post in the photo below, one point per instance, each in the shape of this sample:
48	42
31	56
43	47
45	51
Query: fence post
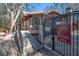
53	35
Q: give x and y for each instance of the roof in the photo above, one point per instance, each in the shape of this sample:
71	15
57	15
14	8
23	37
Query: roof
28	15
51	11
32	13
41	12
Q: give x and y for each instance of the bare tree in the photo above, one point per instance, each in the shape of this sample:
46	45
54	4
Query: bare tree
10	12
14	10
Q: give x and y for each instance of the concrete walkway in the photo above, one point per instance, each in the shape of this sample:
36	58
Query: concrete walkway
38	54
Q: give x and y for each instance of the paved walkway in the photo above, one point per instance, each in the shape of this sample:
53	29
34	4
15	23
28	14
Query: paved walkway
45	52
38	54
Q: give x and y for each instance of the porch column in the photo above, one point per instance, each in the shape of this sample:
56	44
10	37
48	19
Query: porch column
41	32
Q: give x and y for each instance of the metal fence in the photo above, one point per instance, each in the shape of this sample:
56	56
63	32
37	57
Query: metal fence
65	31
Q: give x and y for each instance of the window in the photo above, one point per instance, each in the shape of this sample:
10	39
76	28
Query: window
35	23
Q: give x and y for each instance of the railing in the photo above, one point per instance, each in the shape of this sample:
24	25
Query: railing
66	34
35	44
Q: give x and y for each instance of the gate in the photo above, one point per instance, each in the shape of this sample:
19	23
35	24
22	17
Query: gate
65	31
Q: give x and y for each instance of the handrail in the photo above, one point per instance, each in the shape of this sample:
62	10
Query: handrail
34	43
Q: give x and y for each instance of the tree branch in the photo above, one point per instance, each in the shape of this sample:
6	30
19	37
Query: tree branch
8	8
17	15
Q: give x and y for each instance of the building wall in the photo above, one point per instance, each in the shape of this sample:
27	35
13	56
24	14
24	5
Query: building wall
48	23
33	22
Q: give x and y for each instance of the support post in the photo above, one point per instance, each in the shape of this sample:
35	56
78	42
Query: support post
41	32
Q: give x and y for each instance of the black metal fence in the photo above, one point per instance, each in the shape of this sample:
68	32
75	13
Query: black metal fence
65	30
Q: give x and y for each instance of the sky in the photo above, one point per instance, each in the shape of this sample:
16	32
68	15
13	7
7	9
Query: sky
43	6
40	6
